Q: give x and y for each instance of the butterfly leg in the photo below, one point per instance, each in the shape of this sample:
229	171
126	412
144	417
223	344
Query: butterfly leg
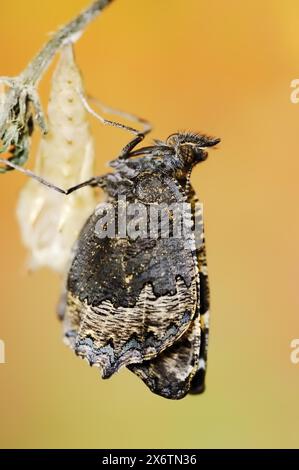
95	181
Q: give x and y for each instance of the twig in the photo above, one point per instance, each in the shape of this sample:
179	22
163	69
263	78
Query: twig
16	119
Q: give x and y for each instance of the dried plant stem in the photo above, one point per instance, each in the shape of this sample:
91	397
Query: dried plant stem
15	113
68	33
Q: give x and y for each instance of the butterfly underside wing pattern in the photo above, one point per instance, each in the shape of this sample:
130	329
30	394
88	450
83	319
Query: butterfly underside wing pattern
136	290
181	368
143	302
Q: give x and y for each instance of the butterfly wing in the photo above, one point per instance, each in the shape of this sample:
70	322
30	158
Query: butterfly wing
129	300
181	368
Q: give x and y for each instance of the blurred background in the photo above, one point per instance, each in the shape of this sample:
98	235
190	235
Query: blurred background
223	68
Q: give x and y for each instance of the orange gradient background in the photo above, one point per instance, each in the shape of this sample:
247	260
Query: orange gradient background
224	68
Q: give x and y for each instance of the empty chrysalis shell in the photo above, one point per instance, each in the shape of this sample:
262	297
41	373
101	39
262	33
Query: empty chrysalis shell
50	222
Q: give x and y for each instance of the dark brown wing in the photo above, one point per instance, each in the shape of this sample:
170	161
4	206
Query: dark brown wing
170	373
128	300
181	368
